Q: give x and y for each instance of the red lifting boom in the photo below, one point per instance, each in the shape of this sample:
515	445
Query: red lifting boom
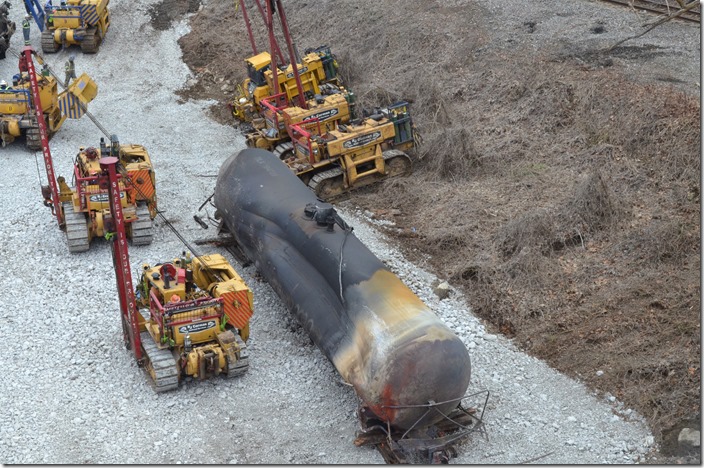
121	261
27	66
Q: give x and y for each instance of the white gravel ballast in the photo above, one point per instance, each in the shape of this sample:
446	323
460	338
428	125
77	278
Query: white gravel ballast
72	393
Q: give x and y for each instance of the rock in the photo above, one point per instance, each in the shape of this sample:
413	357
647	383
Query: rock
689	437
599	373
442	290
489	337
571	419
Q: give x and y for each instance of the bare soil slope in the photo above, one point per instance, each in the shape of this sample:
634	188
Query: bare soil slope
557	186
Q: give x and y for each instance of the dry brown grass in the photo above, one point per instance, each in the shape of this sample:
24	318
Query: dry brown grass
592	207
587	218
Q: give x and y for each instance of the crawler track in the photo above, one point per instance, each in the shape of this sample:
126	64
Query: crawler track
241	366
143	227
77	236
161	365
661	7
329	185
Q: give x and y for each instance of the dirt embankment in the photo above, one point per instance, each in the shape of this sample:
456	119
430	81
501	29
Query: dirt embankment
556	190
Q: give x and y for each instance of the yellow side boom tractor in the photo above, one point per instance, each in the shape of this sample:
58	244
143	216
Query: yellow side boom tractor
85	206
77	22
17	113
318	67
186	318
194	319
355	154
322	113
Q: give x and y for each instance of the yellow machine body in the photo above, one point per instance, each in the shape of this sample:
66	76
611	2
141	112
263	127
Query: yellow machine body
253	89
86	205
92	199
221	280
16	116
136	161
78	22
359	152
356	146
193	307
260	82
311	74
323	115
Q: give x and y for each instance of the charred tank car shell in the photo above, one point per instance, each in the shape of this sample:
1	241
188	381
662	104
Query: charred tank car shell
378	334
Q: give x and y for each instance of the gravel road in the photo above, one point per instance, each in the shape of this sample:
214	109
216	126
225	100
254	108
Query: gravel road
73	394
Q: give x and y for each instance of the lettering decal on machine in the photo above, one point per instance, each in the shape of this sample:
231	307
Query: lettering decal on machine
361	140
103	197
196	327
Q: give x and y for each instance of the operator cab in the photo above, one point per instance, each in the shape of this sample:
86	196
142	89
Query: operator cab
257	66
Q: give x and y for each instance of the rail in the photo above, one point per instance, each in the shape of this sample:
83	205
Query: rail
663	7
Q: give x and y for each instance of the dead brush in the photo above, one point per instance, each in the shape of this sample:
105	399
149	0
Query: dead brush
432	111
592	207
529	268
655	125
442	239
661	241
400	192
449	155
479	279
377	97
552	104
350	69
534	230
670	147
642	381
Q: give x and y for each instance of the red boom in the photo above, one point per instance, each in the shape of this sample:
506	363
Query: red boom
27	65
121	260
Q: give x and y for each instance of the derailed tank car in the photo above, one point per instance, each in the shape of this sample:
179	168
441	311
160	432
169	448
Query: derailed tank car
378	334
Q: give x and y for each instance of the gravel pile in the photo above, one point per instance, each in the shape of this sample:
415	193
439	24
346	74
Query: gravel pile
73	394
